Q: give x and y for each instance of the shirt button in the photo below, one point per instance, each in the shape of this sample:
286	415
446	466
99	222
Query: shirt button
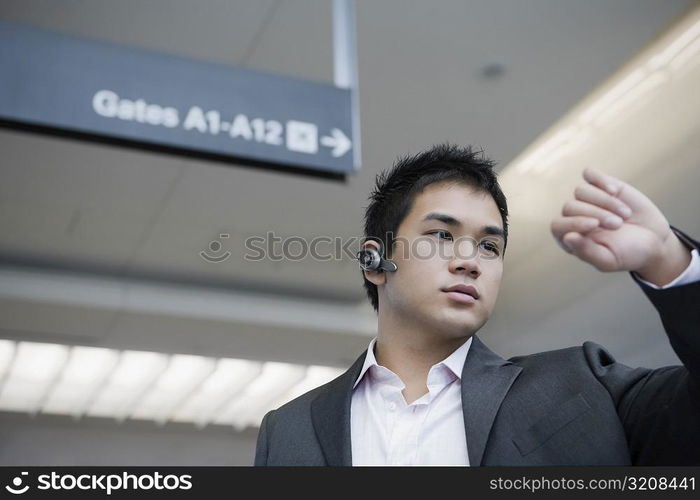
392	406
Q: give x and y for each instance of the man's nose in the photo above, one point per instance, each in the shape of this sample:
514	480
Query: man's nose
466	260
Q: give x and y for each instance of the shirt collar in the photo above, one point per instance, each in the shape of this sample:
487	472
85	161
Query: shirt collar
455	361
370	360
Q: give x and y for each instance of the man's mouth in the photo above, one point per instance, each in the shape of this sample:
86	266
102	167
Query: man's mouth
466	294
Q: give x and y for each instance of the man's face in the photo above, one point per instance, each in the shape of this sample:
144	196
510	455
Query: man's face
447	239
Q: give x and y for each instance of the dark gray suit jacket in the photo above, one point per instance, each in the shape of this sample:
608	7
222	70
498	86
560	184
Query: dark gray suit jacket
574	406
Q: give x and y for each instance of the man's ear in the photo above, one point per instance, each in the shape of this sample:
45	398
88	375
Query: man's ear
375	277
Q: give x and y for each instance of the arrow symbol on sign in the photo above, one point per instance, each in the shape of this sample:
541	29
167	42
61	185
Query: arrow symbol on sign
338	141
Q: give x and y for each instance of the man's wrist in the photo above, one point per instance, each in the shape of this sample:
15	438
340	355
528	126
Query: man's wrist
671	262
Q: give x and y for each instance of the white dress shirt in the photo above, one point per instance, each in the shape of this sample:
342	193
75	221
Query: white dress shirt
430	431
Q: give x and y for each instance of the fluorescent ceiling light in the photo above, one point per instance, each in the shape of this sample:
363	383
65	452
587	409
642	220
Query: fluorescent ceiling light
675	48
315	377
687	58
668	59
230	377
632	96
184	373
85	372
133	375
31	375
275	380
7	352
79	381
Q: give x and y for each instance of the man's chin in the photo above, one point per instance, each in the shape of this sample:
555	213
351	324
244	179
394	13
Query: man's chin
458	325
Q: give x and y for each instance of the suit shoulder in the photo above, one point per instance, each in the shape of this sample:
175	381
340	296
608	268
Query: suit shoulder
590	355
561	372
555	356
303	401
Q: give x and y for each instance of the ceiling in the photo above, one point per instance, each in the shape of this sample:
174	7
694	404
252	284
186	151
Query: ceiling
118	232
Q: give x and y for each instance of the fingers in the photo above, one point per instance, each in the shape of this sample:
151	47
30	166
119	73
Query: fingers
601	180
593	195
626	193
606	218
589	251
594	206
578	224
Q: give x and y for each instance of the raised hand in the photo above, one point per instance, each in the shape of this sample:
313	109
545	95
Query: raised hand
615	227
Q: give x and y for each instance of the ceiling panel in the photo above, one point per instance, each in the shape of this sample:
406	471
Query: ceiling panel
66	203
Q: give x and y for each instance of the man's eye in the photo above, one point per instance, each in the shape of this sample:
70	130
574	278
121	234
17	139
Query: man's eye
440	232
490	246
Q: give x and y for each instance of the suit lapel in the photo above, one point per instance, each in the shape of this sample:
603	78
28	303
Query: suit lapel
486	378
330	414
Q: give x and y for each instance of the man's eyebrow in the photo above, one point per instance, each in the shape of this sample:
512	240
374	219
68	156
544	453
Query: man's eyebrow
447	219
494	231
451	221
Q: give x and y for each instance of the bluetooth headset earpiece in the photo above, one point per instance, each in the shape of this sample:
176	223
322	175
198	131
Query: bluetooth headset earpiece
371	260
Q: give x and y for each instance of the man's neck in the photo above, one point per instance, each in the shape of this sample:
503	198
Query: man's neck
410	352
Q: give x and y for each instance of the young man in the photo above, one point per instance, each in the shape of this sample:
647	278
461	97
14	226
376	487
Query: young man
427	391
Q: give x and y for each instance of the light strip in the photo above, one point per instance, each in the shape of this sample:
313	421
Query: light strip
133	375
7	357
634	95
679	51
34	369
87	369
673	49
183	374
229	379
315	377
686	58
7	353
89	381
275	380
